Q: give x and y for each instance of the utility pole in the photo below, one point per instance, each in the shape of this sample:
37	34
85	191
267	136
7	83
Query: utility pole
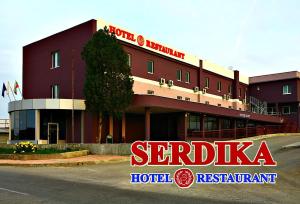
72	68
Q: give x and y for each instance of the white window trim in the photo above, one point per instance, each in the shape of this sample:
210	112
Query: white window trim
219	90
289	89
189	81
180	71
53	54
152	67
207	87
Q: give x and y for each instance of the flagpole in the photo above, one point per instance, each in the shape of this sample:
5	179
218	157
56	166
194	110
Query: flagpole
20	92
8	84
72	82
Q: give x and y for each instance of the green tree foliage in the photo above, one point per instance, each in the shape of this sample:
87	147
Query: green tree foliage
108	81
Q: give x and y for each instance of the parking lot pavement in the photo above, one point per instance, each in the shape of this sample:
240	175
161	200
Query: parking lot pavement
109	183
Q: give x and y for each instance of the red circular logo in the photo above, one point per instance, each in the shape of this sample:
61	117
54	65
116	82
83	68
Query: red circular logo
184	178
140	40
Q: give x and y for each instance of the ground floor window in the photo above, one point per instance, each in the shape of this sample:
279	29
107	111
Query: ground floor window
240	124
194	122
210	123
226	123
286	110
23	125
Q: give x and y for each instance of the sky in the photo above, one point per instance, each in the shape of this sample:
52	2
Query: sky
254	36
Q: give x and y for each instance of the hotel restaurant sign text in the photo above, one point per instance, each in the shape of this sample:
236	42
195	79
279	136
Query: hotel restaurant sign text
140	40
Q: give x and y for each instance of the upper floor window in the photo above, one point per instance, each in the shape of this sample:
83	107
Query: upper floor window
230	89
206	82
240	92
55	91
187	77
55	58
150	67
178	74
286	110
286	89
129	59
219	86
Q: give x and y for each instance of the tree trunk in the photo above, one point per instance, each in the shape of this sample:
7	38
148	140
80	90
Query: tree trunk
100	127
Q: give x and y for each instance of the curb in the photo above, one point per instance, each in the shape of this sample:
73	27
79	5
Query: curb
64	155
291	146
67	163
261	137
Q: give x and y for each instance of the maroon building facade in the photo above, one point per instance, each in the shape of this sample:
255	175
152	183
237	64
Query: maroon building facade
177	96
281	91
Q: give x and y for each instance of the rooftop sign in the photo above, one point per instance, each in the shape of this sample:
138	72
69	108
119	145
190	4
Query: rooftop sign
152	45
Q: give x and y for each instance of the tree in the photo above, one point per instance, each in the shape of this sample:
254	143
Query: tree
108	80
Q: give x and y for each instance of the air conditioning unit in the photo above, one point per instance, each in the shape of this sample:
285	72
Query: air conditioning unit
170	83
196	89
162	81
227	97
150	92
204	90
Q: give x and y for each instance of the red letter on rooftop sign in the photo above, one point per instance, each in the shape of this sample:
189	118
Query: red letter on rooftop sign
139	149
180	152
264	154
157	153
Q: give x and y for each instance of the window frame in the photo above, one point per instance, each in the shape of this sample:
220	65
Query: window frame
206	82
152	62
179	71
219	86
188	77
288	90
286	113
129	59
229	89
55	59
55	91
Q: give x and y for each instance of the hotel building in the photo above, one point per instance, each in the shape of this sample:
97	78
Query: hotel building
177	96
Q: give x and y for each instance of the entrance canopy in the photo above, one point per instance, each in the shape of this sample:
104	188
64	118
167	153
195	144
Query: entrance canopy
37	104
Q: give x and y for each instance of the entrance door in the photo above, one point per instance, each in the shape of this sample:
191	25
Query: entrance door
52	133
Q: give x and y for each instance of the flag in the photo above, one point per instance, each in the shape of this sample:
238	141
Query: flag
16	87
3	89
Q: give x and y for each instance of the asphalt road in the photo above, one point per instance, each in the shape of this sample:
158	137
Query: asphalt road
109	183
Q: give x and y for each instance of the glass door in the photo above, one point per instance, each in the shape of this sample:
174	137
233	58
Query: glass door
53	133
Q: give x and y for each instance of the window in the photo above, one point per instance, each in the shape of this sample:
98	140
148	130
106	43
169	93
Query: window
240	92
194	122
55	91
206	82
55	59
219	86
129	59
286	89
210	123
178	74
23	125
225	123
150	67
187	77
286	110
271	110
230	89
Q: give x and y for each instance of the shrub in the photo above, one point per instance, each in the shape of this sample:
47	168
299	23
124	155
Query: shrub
25	147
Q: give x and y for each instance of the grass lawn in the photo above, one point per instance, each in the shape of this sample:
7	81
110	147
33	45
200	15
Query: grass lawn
39	151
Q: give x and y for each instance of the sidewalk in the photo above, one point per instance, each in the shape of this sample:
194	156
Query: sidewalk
78	161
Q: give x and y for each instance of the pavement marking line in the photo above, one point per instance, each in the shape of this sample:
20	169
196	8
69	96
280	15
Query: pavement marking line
12	191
